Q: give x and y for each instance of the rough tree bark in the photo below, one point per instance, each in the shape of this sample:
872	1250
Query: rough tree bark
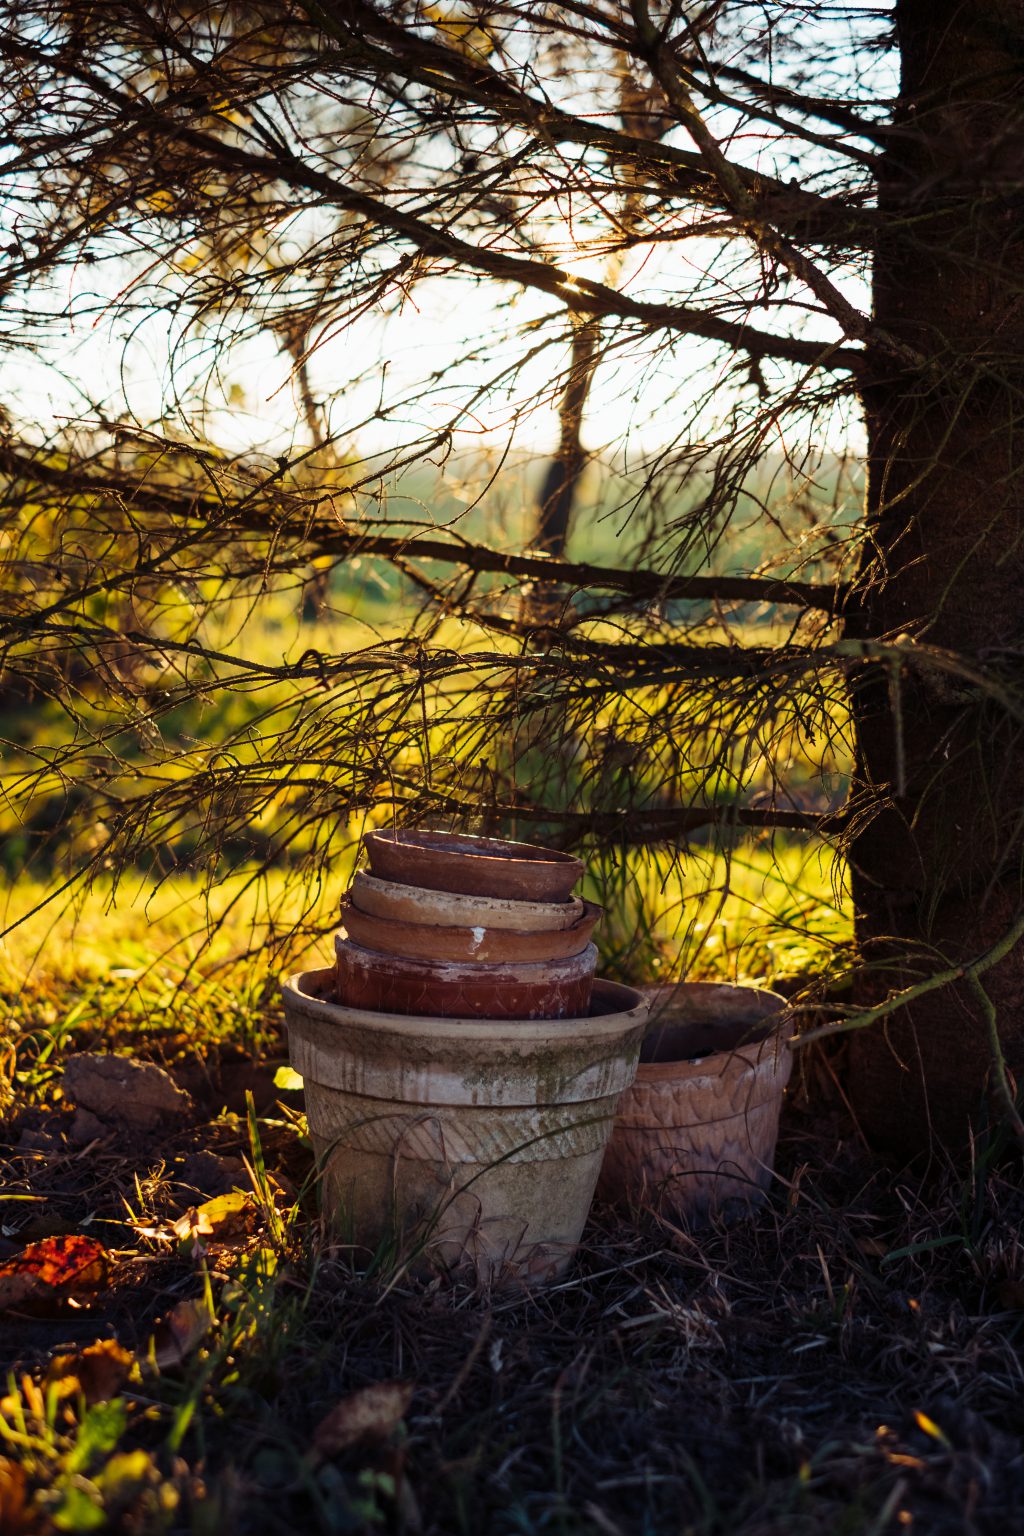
941	868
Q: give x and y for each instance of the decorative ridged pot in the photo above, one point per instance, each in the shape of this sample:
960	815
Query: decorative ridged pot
551	989
475	945
696	1132
475	866
470	1145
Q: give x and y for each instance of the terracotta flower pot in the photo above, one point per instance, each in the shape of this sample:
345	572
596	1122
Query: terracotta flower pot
696	1132
477	866
417	904
551	989
466	1145
475	946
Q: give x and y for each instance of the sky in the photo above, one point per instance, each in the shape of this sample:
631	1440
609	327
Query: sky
101	359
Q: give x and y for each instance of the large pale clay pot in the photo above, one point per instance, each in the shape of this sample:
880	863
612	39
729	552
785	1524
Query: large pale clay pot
550	989
470	1145
696	1132
476	866
416	904
476	945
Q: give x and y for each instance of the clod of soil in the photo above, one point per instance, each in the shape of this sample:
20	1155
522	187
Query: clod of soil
210	1175
121	1091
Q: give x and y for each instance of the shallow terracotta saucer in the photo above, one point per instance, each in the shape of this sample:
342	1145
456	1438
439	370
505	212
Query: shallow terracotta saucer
453	909
475	944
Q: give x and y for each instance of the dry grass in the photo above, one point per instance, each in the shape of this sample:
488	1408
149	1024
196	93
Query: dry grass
847	1361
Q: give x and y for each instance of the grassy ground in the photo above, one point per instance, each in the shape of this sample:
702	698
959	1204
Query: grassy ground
847	1361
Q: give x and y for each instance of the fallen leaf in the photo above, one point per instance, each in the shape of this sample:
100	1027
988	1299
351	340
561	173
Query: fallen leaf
929	1427
873	1246
180	1332
287	1079
49	1272
226	1217
371	1414
99	1371
17	1517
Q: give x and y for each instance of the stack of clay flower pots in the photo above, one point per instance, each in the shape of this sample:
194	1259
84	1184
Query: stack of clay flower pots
466	927
462	1066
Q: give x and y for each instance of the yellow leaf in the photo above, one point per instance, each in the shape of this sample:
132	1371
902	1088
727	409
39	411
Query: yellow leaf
226	1217
929	1426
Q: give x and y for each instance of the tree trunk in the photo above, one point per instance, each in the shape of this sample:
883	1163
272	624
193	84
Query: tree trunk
939	871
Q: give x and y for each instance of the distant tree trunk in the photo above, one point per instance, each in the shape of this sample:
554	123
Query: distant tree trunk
544	747
561	480
539	603
941	867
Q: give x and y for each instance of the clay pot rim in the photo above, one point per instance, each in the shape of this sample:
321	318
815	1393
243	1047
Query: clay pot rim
766	1039
465	845
768	1051
555	910
627	1004
516	972
588	918
662	992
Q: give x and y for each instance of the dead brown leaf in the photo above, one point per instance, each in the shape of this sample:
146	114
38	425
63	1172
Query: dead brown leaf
103	1369
370	1415
17	1517
98	1371
180	1332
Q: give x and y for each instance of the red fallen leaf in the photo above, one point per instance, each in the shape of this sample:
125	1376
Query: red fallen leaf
52	1270
369	1415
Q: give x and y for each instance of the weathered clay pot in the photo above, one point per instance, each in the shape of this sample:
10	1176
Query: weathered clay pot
474	946
416	904
477	866
470	1145
696	1132
550	989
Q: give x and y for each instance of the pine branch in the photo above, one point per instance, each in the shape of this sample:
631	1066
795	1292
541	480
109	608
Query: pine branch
579	294
260	514
354	23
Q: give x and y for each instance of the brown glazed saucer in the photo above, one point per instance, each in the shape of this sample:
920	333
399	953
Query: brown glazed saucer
476	866
451	989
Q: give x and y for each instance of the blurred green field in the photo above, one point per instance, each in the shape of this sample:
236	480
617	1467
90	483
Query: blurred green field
199	948
178	967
